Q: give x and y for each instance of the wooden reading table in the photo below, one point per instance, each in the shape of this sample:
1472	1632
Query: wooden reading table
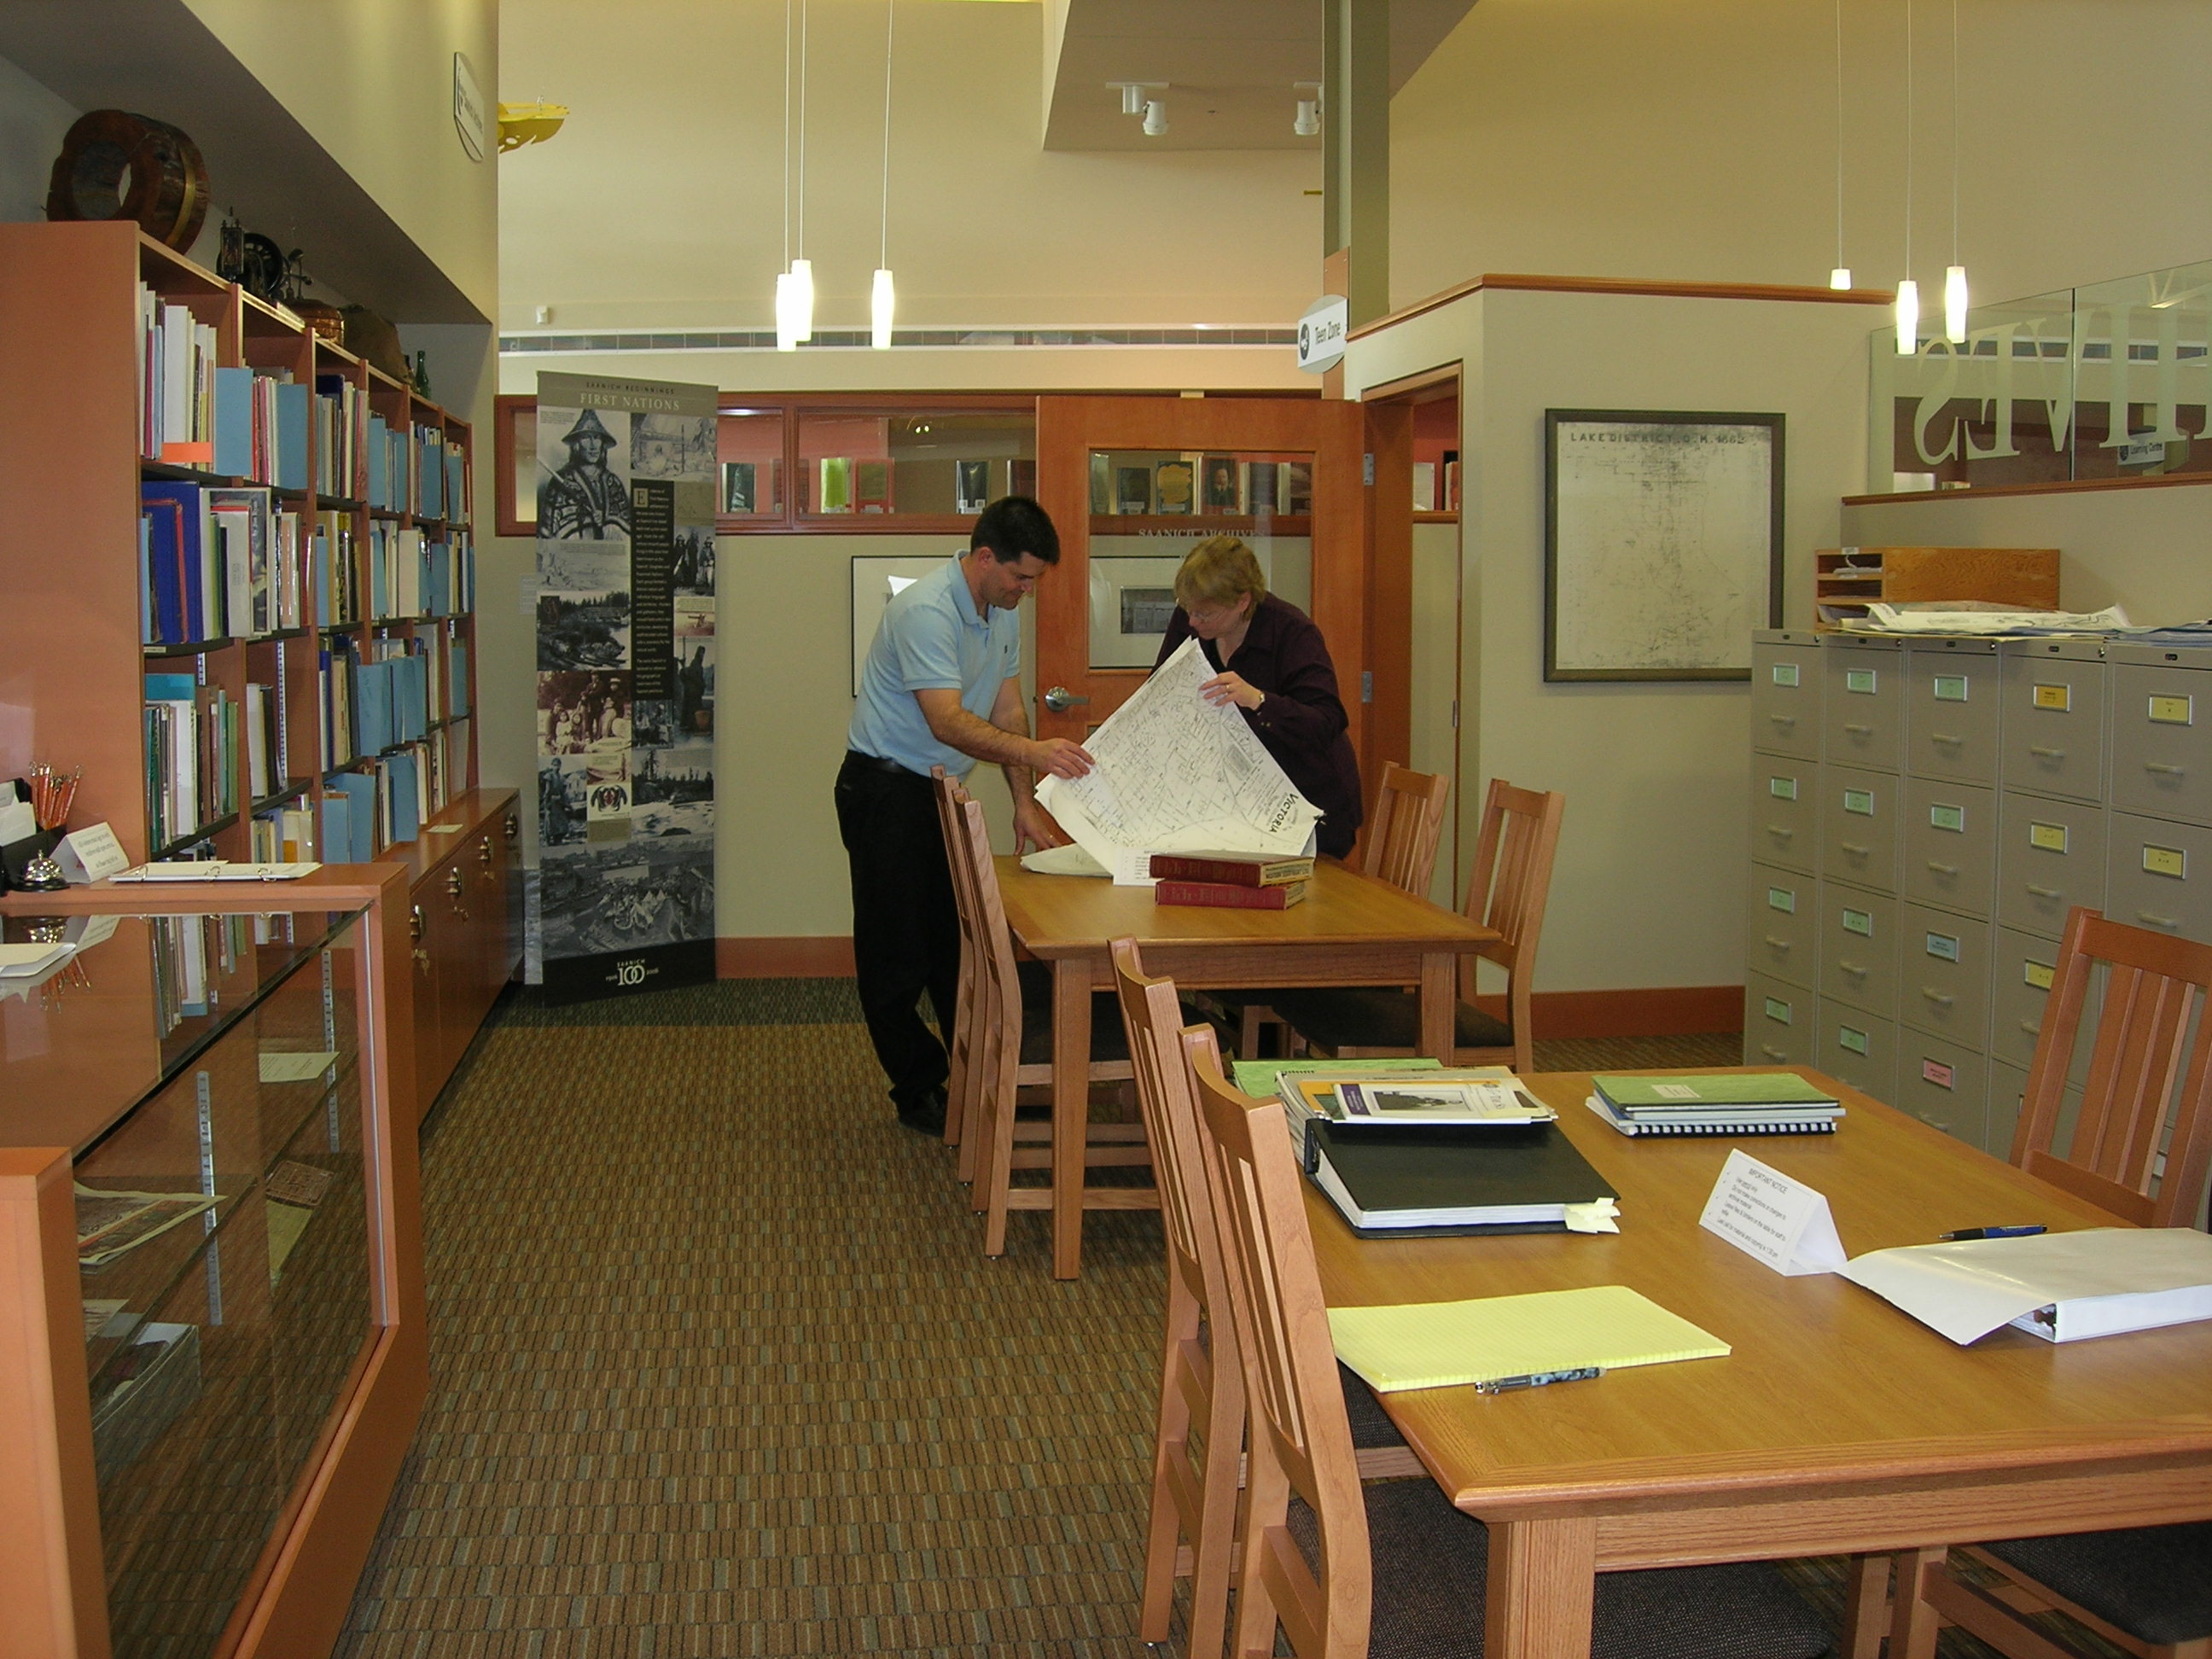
1350	930
1839	1423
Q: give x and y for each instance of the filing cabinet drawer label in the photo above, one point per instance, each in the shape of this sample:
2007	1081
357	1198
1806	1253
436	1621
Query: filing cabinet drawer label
1860	680
1941	816
2038	974
1783	899
1781	788
1944	946
1860	801
1858	922
2173	711
2050	838
2166	861
1950	688
1785	673
1778	1011
2060	697
1935	1072
1852	1037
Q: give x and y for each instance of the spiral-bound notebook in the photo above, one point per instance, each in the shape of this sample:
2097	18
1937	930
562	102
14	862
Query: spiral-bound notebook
1721	1123
1721	1103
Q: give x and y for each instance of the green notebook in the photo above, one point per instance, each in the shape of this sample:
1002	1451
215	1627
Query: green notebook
1716	1088
1439	1345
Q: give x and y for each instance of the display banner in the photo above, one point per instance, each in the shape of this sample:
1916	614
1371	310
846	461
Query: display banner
625	685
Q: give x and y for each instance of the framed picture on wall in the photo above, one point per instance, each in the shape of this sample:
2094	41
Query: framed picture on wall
1662	543
876	578
1132	601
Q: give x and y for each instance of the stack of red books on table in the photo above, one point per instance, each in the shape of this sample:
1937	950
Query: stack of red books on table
1247	881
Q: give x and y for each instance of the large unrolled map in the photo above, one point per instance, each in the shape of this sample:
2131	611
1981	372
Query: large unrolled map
1177	775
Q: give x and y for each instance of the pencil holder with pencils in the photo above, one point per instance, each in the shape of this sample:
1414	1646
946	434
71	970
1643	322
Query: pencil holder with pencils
27	861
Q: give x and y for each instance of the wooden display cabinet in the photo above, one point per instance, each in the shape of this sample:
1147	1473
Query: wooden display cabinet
1846	580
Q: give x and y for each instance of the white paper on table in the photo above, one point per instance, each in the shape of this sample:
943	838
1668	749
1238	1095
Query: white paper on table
1967	1288
1765	1213
1176	775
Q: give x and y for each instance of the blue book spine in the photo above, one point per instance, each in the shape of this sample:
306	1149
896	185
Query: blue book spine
233	421
322	580
292	435
406	809
379	464
338	832
146	635
191	524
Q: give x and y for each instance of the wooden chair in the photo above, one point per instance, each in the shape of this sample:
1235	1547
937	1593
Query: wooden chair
1391	1569
1399	847
960	1042
1507	889
2146	1590
1014	1054
1195	1479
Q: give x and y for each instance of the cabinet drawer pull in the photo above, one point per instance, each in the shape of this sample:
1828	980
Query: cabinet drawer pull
1773	1052
1858	731
2171	922
1783	720
1779	833
2165	771
1945	736
1778	944
1938	996
1855	848
1851	968
1943	869
483	850
2047	753
2044	892
2031	1027
414	921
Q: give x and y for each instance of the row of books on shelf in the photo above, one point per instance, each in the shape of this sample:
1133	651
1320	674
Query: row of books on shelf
365	811
411	575
176	383
215	562
390	698
192	734
1193	483
193	957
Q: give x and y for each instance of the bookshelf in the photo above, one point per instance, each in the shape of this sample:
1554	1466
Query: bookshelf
79	637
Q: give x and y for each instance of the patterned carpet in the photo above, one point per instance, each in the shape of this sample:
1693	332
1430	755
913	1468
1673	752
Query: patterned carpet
718	1369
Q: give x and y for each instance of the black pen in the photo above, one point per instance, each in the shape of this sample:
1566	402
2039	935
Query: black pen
2028	1230
1538	1379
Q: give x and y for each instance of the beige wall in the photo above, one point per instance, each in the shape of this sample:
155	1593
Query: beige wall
32	122
372	80
660	203
1696	140
1655	775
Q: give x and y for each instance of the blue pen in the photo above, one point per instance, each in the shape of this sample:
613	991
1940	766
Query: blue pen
2029	1231
1538	1379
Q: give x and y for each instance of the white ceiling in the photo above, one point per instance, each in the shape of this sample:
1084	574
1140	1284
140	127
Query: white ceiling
1228	66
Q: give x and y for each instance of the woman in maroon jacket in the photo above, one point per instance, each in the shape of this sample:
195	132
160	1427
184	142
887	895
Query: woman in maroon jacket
1271	662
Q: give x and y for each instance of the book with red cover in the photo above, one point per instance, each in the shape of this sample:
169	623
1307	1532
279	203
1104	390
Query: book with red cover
1221	895
1238	869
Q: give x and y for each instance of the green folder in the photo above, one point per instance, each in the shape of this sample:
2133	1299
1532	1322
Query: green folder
1258	1078
1440	1344
1716	1088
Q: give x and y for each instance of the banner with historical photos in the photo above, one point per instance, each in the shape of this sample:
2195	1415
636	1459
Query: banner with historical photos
626	483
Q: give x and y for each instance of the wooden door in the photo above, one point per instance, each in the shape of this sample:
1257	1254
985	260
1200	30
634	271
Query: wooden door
1116	563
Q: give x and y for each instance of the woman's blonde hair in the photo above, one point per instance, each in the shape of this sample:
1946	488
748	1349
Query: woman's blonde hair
1217	572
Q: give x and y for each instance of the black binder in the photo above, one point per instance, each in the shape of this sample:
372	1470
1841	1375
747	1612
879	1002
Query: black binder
1489	1180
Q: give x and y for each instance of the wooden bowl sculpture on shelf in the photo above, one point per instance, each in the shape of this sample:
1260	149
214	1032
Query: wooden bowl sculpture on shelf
115	165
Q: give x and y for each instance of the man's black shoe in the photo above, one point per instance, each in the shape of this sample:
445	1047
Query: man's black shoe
926	1115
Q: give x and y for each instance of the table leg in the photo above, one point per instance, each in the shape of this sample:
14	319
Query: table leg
1439	1004
1912	1621
1543	1577
1071	1110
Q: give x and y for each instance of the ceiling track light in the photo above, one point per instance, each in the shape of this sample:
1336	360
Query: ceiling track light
1133	94
1156	117
1308	122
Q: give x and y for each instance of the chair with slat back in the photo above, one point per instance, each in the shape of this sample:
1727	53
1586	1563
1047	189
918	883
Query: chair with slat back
1195	1479
2146	1590
1390	1569
969	1016
1507	889
1015	1054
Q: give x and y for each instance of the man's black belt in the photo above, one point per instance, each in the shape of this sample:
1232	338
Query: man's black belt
877	763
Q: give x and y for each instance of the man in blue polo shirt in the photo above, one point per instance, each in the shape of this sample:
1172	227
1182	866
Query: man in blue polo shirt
941	687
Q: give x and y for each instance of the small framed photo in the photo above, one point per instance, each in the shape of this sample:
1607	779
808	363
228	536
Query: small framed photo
1132	602
972	482
738	487
1132	490
1221	492
1263	488
1174	486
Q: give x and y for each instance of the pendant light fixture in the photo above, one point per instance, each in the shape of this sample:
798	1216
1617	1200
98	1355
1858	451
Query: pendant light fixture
1955	274
787	321
1840	277
802	268
1908	291
882	300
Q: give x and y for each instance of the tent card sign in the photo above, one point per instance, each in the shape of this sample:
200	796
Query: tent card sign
1765	1213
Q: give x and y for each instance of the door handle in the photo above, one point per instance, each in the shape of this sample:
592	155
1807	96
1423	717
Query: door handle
1060	700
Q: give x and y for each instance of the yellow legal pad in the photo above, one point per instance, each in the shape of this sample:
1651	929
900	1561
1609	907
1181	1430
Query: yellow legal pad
1440	1344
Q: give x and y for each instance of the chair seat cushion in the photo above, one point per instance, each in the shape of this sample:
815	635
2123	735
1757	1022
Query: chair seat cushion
2155	1582
1377	1016
1431	1567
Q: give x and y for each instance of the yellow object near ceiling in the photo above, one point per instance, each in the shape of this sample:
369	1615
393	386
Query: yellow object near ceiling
529	124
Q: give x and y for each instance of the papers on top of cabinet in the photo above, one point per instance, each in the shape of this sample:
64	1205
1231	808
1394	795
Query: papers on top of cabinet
1176	774
2058	1285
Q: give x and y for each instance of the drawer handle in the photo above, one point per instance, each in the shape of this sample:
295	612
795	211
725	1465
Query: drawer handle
1771	1053
1858	731
1942	1123
1778	944
2047	753
1776	831
1944	737
2031	1027
2165	771
483	849
1783	720
1938	996
2044	892
1943	869
1855	848
414	921
2171	922
1852	968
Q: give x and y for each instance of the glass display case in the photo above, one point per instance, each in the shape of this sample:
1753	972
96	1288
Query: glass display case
206	1073
922	463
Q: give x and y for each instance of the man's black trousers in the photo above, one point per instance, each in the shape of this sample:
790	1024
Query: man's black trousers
906	934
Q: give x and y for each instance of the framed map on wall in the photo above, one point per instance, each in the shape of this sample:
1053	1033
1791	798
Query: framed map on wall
1662	543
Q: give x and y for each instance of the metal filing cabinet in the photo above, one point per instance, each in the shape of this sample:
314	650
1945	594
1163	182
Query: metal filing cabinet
1967	794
